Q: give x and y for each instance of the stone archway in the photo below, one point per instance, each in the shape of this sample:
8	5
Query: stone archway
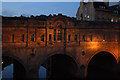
19	71
61	66
102	66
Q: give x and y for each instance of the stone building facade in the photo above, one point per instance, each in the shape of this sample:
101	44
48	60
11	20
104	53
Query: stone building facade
98	11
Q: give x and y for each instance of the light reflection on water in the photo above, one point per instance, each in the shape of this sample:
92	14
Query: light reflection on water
8	73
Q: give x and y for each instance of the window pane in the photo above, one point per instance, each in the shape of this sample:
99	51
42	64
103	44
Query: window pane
13	38
83	37
91	37
50	37
23	38
76	38
69	37
32	38
42	38
59	34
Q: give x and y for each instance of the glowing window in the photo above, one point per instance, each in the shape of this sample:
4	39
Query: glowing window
116	21
112	20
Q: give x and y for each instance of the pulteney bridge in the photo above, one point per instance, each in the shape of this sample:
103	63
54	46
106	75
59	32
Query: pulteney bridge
65	47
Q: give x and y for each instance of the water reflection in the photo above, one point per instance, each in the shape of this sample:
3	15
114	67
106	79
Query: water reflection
7	73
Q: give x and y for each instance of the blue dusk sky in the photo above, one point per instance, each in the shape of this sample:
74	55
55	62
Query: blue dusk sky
38	8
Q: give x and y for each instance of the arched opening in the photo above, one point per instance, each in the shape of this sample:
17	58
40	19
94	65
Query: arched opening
12	68
102	66
61	66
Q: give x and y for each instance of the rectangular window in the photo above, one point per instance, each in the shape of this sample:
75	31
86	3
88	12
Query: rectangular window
32	38
54	34
42	38
83	37
54	37
64	35
69	37
23	38
59	34
76	38
50	36
13	38
91	37
54	31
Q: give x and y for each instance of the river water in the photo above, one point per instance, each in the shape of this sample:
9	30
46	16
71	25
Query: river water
7	73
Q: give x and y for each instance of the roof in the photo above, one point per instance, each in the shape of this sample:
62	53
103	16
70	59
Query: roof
100	5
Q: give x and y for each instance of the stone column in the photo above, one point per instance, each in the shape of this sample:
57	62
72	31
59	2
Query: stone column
83	72
32	74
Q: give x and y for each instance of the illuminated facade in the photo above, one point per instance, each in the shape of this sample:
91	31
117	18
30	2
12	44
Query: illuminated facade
32	40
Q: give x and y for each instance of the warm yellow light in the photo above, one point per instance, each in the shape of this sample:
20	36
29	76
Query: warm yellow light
93	45
112	20
103	40
116	21
1	62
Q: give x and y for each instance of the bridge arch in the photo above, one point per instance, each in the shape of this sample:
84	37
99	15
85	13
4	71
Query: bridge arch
61	66
102	65
112	53
19	71
12	56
